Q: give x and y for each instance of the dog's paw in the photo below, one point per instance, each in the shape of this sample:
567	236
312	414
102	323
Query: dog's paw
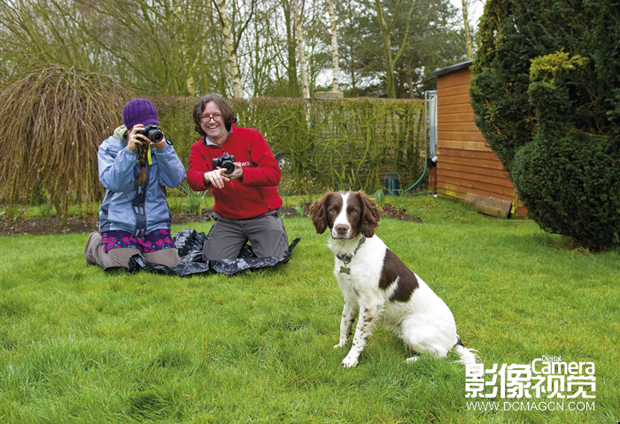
349	362
340	345
412	360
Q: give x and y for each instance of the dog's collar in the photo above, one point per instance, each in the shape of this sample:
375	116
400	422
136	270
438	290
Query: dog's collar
346	258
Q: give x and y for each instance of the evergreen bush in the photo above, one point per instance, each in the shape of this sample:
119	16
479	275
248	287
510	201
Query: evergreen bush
546	92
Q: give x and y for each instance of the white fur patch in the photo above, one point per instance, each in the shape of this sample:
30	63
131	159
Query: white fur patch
342	218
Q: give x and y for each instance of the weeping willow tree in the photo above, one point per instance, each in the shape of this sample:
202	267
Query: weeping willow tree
53	120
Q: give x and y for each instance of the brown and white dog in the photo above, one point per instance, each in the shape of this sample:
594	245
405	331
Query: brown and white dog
377	286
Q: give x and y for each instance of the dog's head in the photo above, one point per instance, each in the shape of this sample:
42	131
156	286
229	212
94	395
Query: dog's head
346	214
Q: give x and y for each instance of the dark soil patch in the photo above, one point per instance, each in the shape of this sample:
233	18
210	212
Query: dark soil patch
400	214
39	226
290	212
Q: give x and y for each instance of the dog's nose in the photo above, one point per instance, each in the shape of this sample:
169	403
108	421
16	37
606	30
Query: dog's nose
341	228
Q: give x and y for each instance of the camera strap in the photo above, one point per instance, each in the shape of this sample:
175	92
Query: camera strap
138	204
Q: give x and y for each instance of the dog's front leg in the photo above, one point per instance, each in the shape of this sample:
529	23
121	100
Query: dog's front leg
368	315
349	314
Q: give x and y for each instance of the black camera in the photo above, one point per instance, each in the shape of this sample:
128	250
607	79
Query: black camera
153	133
225	161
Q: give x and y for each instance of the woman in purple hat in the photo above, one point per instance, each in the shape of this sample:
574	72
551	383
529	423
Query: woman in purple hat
136	164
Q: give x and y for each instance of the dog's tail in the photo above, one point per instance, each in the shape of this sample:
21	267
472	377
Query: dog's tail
467	356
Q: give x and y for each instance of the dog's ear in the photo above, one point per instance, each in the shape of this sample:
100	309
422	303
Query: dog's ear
371	214
318	213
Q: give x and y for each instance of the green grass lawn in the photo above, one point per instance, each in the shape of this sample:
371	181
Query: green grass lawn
81	345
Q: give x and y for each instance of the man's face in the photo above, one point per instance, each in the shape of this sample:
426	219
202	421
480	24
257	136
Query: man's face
212	123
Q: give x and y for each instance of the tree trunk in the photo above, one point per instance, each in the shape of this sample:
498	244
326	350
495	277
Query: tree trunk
305	90
184	60
387	51
468	41
390	59
293	83
230	51
410	78
351	64
402	91
334	31
60	200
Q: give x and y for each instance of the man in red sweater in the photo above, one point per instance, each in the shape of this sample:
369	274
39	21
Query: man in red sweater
246	199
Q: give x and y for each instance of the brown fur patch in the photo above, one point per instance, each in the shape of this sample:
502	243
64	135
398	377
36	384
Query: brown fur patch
371	214
394	268
318	211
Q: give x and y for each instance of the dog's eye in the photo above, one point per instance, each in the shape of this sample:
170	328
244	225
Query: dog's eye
332	210
354	211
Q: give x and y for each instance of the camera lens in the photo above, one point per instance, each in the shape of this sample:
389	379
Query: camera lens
155	135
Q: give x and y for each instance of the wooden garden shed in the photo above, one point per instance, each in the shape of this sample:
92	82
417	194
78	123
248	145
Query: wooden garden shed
465	164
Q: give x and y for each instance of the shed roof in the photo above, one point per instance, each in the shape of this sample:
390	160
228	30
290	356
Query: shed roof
453	68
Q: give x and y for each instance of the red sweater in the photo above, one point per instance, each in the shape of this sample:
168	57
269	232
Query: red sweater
253	195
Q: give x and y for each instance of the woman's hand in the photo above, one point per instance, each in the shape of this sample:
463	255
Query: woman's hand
134	139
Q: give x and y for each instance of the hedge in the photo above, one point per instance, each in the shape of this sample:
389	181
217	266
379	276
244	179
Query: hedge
339	144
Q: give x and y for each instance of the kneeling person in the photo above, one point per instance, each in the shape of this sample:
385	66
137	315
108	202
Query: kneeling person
246	198
135	166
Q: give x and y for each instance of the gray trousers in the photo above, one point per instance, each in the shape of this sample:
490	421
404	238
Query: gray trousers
228	236
120	256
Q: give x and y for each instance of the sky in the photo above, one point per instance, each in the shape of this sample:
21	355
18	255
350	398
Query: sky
475	10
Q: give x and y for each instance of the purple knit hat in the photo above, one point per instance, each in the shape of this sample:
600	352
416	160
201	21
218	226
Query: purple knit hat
139	111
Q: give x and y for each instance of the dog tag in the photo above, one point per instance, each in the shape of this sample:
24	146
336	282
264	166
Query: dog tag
345	270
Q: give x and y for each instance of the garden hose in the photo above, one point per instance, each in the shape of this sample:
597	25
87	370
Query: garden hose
426	141
419	179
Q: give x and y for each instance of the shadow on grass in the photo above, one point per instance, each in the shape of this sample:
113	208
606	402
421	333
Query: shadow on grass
525	242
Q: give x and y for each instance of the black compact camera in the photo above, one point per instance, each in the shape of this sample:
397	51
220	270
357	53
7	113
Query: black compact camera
225	161
153	133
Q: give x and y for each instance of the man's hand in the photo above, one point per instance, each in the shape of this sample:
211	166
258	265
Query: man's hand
218	177
236	174
215	178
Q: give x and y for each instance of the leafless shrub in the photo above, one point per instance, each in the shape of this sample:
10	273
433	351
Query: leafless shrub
52	122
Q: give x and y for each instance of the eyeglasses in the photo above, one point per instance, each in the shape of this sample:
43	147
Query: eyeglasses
207	118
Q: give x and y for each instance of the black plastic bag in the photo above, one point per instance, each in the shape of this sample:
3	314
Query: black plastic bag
189	246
